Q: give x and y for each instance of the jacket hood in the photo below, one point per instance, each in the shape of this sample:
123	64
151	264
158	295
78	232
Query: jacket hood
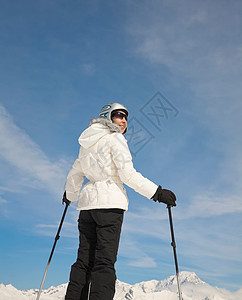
97	129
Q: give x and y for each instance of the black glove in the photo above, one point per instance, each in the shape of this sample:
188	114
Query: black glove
65	200
165	196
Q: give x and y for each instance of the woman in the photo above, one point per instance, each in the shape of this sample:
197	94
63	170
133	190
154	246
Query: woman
105	160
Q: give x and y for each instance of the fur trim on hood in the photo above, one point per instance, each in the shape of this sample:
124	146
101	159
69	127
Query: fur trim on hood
110	125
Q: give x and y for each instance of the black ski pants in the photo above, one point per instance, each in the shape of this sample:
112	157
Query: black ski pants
93	274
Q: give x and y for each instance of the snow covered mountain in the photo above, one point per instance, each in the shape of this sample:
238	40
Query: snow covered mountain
192	289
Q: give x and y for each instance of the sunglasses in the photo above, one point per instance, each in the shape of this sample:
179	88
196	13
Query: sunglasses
120	115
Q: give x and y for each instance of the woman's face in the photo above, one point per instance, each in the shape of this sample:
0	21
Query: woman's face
121	121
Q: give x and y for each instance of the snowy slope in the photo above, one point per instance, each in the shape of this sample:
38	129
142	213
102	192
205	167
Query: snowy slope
192	289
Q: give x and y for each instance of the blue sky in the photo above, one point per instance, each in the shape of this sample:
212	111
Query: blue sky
61	61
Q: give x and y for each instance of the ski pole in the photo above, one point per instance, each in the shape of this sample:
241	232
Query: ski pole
52	251
173	244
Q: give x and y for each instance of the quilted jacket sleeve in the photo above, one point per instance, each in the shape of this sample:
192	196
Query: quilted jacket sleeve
123	161
74	181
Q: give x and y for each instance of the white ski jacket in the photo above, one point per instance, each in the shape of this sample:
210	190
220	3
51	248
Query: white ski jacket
104	158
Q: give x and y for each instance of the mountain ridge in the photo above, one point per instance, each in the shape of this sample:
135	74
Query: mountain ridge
193	288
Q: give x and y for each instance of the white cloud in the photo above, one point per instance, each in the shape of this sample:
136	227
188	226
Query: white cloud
192	41
209	204
2	200
68	229
147	222
145	262
206	233
213	205
23	154
200	44
88	68
131	250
